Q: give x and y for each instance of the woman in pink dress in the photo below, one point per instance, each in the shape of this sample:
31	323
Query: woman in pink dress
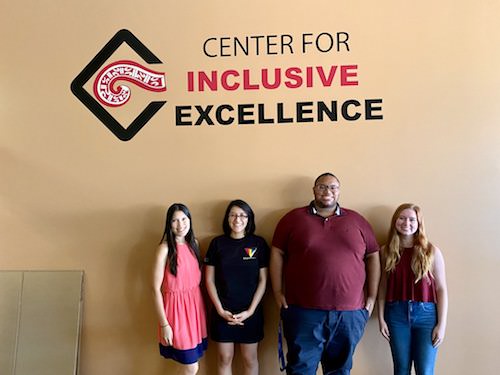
176	287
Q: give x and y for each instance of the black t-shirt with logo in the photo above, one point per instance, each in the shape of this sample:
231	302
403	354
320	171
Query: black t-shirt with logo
237	265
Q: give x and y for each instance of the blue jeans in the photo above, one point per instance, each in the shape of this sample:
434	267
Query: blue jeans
410	327
325	336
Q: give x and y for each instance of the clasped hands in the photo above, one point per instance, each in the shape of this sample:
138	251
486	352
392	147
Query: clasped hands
235	319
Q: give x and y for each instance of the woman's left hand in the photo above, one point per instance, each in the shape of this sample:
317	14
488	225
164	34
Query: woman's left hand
242	316
437	336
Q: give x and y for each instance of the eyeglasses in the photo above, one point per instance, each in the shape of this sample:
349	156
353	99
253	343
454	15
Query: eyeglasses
238	216
332	188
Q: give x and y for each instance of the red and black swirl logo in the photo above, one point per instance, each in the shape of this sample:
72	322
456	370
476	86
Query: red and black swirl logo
107	92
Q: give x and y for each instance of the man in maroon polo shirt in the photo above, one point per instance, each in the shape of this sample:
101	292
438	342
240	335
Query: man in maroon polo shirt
322	257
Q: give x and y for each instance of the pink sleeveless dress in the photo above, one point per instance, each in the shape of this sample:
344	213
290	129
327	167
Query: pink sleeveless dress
185	309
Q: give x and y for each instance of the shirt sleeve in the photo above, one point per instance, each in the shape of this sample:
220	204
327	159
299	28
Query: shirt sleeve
263	254
280	237
372	245
211	255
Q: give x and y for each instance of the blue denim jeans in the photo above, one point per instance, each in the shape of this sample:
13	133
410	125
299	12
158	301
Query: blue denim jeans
410	327
325	336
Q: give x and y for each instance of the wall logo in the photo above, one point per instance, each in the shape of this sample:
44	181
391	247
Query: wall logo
339	83
106	94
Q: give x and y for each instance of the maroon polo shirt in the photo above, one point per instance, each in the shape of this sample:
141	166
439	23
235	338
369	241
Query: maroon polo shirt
324	258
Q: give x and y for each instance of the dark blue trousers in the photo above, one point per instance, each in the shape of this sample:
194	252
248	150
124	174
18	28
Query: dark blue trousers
325	336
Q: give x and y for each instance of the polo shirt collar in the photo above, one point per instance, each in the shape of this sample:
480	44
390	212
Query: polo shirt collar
314	211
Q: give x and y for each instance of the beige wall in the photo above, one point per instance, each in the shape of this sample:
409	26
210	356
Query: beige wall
75	197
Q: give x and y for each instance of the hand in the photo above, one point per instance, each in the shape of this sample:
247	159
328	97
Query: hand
369	304
280	300
437	336
167	335
384	330
229	317
242	316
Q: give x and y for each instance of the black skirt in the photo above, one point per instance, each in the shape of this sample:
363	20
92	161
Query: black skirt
250	332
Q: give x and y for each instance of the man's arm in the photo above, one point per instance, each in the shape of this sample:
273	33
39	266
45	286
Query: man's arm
276	271
372	262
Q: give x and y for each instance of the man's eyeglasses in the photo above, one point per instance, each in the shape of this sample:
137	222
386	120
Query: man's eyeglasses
332	188
238	216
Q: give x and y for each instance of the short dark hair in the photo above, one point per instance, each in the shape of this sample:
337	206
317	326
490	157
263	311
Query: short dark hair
325	174
250	228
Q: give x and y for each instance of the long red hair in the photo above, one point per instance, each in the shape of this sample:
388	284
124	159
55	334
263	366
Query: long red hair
423	256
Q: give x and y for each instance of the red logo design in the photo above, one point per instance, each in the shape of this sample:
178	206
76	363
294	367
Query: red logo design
125	70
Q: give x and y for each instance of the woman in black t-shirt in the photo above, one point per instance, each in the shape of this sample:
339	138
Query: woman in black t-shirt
236	275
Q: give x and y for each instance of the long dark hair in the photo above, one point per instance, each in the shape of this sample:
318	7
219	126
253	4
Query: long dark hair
250	228
169	238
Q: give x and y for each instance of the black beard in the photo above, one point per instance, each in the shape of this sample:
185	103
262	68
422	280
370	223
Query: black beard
321	205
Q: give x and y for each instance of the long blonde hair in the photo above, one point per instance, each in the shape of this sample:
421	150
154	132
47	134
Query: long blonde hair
423	255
